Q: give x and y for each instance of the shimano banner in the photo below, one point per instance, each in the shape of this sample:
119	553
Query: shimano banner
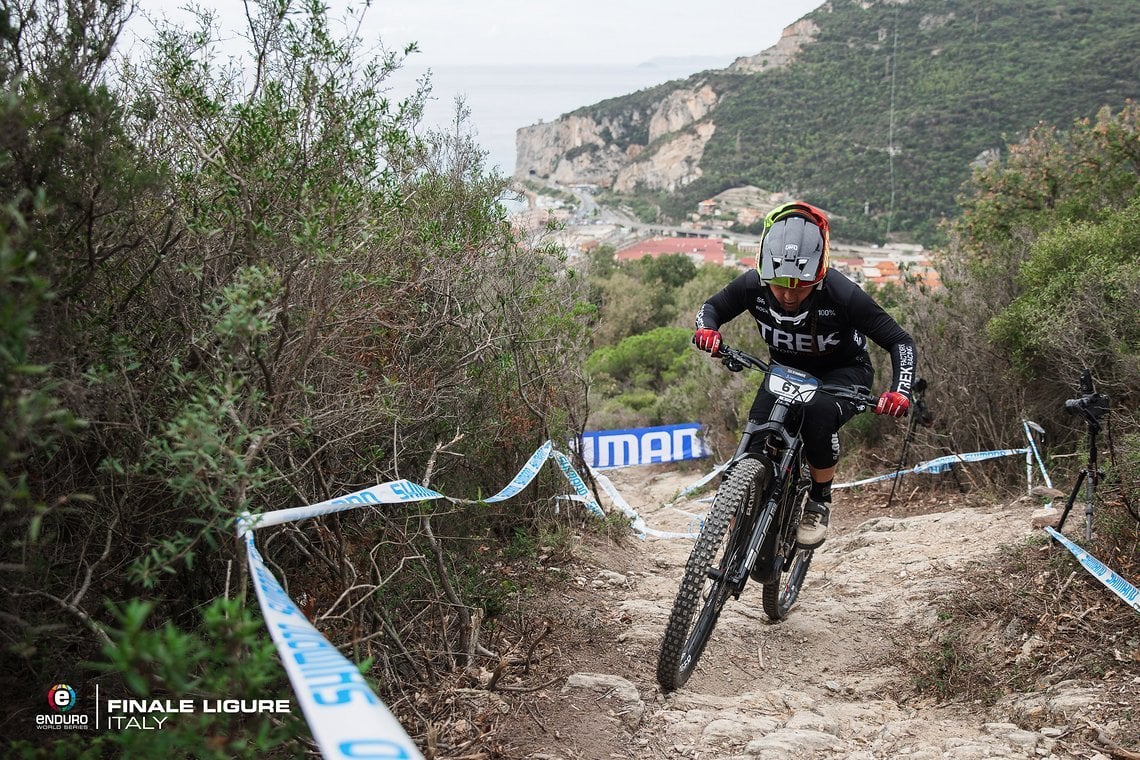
652	445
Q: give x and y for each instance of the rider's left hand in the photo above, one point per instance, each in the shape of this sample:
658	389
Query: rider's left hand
892	403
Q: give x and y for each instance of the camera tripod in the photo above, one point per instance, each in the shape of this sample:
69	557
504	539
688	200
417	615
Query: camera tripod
919	415
1092	406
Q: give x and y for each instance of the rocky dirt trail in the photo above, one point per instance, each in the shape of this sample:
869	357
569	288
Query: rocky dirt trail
828	682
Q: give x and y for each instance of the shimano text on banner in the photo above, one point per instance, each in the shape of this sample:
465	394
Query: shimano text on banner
621	448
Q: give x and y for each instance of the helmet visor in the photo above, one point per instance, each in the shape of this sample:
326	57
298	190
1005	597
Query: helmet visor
790	282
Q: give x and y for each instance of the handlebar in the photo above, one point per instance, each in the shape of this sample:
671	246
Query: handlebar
736	360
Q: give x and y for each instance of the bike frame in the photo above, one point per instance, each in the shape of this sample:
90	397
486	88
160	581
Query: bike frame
782	474
789	446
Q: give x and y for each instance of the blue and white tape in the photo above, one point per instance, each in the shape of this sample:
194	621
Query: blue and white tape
577	483
689	489
396	492
1029	427
1113	582
934	466
346	717
526	474
636	521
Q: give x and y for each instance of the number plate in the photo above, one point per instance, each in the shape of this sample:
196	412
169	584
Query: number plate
791	384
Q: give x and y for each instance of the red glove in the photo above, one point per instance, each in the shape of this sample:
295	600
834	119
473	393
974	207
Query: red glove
707	340
892	403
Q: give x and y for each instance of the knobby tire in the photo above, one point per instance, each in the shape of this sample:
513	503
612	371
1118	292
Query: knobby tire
687	632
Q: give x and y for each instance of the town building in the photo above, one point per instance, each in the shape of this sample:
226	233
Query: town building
699	250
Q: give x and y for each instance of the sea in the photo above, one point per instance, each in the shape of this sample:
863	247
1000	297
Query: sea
504	98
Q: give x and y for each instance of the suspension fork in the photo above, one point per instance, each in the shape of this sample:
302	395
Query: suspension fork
782	478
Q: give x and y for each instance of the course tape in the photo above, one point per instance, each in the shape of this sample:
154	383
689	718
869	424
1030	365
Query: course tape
396	492
346	717
636	521
941	464
689	489
1029	426
1101	572
525	475
577	483
934	466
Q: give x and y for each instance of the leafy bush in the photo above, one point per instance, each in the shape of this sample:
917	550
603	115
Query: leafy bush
244	290
1042	284
1077	309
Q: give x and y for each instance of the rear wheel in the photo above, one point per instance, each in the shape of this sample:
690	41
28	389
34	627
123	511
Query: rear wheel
781	594
716	556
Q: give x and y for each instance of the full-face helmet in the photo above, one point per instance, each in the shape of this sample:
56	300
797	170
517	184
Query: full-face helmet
795	247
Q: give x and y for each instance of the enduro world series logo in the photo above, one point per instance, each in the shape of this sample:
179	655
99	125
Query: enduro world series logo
61	699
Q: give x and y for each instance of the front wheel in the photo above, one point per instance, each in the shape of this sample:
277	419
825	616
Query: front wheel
715	558
781	594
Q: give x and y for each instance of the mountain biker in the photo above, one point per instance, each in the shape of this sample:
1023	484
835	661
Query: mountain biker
814	319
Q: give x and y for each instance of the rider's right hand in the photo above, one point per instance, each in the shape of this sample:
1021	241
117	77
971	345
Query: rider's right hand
893	403
707	340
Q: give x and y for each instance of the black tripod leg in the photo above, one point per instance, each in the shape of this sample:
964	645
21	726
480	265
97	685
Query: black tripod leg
902	457
1072	499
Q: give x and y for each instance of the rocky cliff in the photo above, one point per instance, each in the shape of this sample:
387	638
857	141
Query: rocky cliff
657	145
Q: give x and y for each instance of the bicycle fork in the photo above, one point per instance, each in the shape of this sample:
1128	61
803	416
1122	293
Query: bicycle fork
738	574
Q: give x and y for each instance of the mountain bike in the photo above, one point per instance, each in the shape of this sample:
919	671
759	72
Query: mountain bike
750	531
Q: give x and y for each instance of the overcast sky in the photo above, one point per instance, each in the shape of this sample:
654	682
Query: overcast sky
542	31
453	35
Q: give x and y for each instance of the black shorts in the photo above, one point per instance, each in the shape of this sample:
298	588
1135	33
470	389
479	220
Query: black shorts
822	416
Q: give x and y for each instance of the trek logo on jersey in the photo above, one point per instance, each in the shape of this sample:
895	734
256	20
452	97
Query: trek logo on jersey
800	343
906	369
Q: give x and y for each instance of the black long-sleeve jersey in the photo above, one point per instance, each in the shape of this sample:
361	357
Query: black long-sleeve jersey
831	332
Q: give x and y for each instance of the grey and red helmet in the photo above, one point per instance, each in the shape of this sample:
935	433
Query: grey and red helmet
795	248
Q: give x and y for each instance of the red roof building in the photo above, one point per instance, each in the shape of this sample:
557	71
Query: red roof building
700	250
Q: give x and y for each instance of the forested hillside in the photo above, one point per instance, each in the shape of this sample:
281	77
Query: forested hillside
238	286
880	118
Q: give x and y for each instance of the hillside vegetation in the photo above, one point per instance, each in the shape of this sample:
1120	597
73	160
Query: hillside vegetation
237	286
234	286
880	118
